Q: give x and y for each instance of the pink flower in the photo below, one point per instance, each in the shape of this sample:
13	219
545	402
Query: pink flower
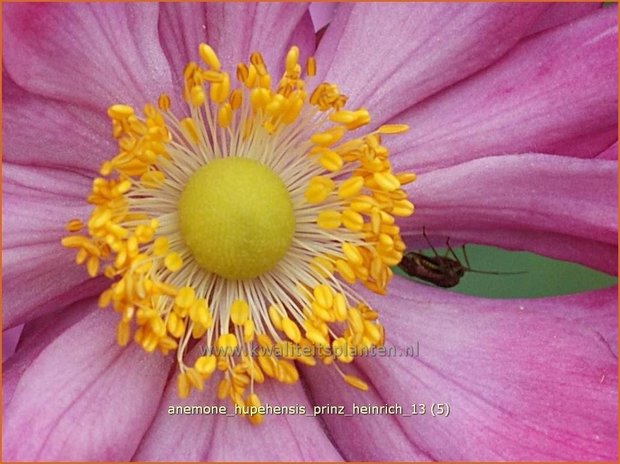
512	109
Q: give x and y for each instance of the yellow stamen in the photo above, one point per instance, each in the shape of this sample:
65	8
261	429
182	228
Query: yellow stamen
238	227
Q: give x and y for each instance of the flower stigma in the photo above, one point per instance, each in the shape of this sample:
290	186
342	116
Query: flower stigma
234	236
236	217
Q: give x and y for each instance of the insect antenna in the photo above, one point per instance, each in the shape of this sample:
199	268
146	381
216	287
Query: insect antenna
469	269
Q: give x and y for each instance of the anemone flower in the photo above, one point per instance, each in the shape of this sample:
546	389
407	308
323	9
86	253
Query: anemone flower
512	117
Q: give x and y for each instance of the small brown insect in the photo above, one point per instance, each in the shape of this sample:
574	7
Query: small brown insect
443	271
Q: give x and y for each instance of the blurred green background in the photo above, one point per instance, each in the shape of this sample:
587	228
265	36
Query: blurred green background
543	277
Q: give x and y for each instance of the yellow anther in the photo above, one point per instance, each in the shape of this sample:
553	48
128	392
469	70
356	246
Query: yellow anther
254	402
235	99
163	102
362	117
223	388
321	312
99	218
329	219
122	333
372	331
185	297
189	70
173	262
322	266
224	115
331	160
352	220
219	90
242	72
259	98
199	313
356	322
393	129
386	181
323	295
175	325
248	331
152	179
345	271
257	60
209	57
212	76
205	365
264	341
144	234
183	385
311	67
275	316
340	307
291	330
197	95
352	253
189	129
267	364
342	349
252	76
78	241
239	312
391	257
386	242
318	189
92	266
120	111
350	187
74	225
406	177
329	137
343	116
160	246
194	378
289	373
227	343
316	337
363	203
264	81
158	326
122	187
105	298
355	382
276	105
402	208
166	344
292	57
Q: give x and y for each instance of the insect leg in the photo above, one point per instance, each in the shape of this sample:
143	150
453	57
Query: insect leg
428	241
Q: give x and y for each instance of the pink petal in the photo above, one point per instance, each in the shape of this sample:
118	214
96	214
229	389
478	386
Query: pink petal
555	86
389	57
39	274
562	13
561	207
234	30
10	338
36	336
174	437
46	132
322	14
181	29
92	54
524	379
84	397
610	153
587	145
